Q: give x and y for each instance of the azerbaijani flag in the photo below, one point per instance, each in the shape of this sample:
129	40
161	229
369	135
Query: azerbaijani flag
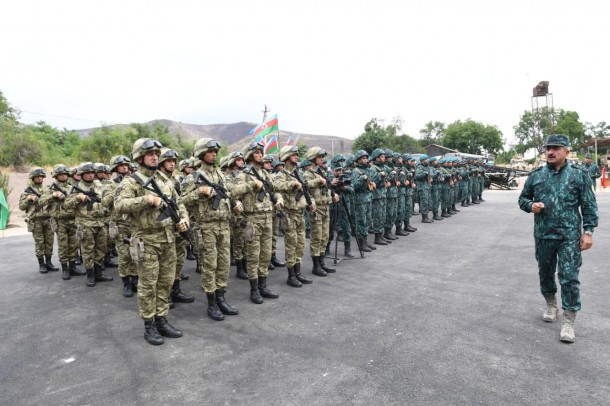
271	146
260	132
293	139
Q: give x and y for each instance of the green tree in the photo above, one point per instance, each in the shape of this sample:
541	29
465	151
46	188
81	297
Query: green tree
432	133
533	128
473	137
374	136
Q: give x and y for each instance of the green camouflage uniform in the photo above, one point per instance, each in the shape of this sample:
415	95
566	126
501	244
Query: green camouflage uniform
378	206
321	222
391	195
362	199
67	243
422	174
593	171
38	219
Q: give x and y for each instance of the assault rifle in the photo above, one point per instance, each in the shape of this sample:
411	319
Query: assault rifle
304	188
30	190
221	191
325	188
55	186
93	197
266	187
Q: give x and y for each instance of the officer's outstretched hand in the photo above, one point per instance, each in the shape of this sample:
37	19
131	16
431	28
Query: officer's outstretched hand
586	241
182	226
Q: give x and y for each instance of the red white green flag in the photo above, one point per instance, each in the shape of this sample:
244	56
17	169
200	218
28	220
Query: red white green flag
263	130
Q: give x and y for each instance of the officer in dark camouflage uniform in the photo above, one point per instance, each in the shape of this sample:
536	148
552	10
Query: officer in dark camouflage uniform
592	169
423	180
362	198
555	193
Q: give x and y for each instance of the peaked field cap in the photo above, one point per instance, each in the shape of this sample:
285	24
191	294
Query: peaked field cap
557	140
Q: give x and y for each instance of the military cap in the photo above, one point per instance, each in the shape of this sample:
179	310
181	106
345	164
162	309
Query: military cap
442	160
557	140
430	160
304	164
588	156
422	157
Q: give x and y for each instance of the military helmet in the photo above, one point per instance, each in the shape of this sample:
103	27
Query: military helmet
377	152
144	145
168	153
251	148
268	158
37	171
224	162
349	159
133	166
276	163
304	164
86	167
118	160
287	151
359	154
389	153
406	157
59	169
338	158
183	164
73	170
98	167
314	152
234	157
396	155
204	145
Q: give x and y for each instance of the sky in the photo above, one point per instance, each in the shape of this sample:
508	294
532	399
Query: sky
324	67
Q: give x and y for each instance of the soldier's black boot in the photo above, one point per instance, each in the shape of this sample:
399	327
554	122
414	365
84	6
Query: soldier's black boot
347	249
454	209
270	267
183	277
189	253
108	261
134	283
213	310
317	270
151	335
481	199
73	270
363	246
400	232
223	305
262	288
99	275
409	227
241	269
299	276
170	302
255	296
292	279
308	233
90	278
275	261
379	240
463	204
436	216
65	271
324	267
445	213
178	296
425	219
388	235
366	242
50	265
79	258
166	329
42	268
127	288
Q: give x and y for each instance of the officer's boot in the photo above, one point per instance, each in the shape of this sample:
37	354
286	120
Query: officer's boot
409	227
445	213
241	269
262	288
388	235
108	260
324	267
299	276
213	310
363	246
134	283
49	264
223	305
90	278
189	253
567	334
79	258
275	261
379	240
400	232
65	271
347	249
183	277
151	335
99	275
255	296
75	271
178	296
366	242
550	314
317	270
166	329
455	210
42	268
425	219
436	216
127	288
292	279
270	266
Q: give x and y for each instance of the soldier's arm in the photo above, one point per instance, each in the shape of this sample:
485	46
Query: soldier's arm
190	194
72	201
527	195
46	196
127	200
24	202
238	188
282	183
311	180
588	205
108	195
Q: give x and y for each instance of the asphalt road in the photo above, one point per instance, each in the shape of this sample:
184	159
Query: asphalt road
450	315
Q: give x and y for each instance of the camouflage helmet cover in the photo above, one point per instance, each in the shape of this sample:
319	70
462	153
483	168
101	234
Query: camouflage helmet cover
287	151
144	145
204	145
117	160
314	152
37	171
60	169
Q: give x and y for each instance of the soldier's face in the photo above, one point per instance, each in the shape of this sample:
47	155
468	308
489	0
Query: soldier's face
257	156
62	177
294	158
187	170
88	176
239	163
169	165
122	169
100	175
210	157
381	158
556	155
38	179
151	159
588	160
76	177
267	165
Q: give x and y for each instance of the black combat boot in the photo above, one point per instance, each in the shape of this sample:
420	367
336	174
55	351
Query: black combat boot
42	268
223	305
113	251
363	246
481	199
73	270
454	208
99	275
189	253
436	216
308	233
213	311
50	265
317	270
475	201
170	302
409	227
178	296
79	258
347	249
366	242
90	278
292	279
255	296
65	271
299	276
166	329
127	288
425	219
265	292
183	277
324	267
379	240
108	261
399	231
241	269
134	283
388	235
445	213
275	262
270	267
151	334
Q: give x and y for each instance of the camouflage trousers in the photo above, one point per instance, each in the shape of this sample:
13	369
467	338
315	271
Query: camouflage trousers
67	243
258	245
307	219
470	189
320	231
391	212
126	265
93	245
435	198
294	239
408	206
378	213
156	275
445	198
43	237
215	260
563	256
464	191
424	200
276	232
361	218
237	240
346	228
181	245
400	209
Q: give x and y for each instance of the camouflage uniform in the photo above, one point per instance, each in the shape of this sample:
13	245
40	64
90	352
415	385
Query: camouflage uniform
391	197
362	199
592	170
422	176
378	206
402	194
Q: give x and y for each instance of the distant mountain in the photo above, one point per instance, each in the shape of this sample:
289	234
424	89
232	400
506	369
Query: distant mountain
235	135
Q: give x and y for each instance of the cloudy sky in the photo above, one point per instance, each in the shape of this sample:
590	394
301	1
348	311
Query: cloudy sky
325	67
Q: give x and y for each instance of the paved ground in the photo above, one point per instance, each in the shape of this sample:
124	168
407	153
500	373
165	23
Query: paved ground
449	315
